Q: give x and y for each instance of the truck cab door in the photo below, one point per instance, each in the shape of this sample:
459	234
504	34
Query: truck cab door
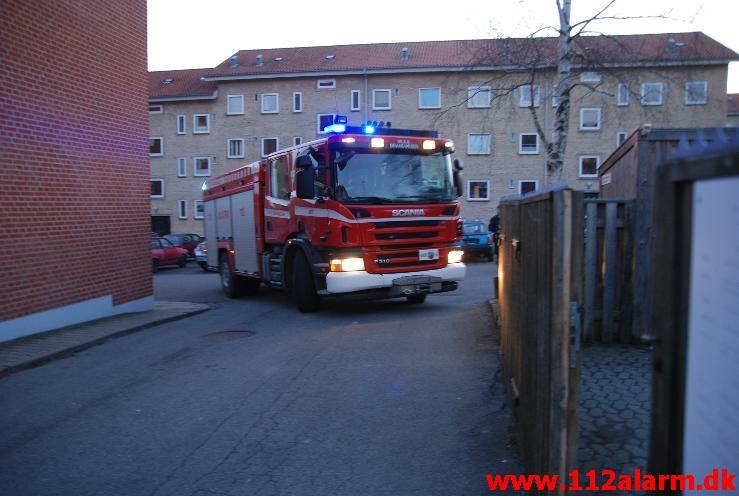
277	201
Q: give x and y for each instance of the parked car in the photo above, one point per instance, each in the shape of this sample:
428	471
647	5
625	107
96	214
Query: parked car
165	253
201	255
476	239
186	241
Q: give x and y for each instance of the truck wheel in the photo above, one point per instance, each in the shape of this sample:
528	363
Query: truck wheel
303	286
416	299
229	283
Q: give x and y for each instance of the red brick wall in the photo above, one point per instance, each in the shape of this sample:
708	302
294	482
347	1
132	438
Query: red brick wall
74	177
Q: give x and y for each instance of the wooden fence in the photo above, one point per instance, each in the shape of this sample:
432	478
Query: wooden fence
609	250
539	294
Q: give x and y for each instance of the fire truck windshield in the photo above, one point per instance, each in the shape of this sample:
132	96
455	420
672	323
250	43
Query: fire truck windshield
370	177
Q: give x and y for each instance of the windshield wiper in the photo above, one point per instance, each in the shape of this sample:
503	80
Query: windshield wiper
373	199
423	198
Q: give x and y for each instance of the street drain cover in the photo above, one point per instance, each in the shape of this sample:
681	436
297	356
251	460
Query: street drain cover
227	335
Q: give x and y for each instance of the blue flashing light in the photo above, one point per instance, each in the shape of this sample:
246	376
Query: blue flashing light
369	129
335	128
340	119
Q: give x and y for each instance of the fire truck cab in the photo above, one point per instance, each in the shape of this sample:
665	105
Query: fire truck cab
366	211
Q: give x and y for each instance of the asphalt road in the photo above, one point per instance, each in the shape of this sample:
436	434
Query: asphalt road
367	398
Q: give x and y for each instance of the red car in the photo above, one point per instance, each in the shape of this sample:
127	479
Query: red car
165	253
187	241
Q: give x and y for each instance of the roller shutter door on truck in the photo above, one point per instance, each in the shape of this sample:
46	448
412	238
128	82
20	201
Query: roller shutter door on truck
210	233
244	233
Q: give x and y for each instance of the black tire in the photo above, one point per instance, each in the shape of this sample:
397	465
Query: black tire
229	283
303	286
203	266
183	261
154	265
416	299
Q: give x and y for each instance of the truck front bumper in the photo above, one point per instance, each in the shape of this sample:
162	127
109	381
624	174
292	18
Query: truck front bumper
395	285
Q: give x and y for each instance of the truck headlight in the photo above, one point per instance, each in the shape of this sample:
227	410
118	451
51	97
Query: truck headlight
351	264
454	256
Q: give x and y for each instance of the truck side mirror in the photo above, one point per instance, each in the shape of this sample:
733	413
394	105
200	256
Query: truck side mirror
305	187
457	175
303	162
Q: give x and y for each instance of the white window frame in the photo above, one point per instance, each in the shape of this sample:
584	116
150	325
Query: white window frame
318	122
181	167
277	103
298	108
579	167
469	189
622	102
489	147
389	99
180	205
705	93
644	92
421	106
195	166
239	105
474	91
228	148
160	110
534	90
359	101
195	129
618	137
277	144
297	140
161	146
195	209
590	77
331	84
582	113
521	150
153	179
520	185
182	124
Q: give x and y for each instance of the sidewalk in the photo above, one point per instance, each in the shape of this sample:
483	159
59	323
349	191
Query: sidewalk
40	348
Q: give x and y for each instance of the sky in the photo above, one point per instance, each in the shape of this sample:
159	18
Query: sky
187	34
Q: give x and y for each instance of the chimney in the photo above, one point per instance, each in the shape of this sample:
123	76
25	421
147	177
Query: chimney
260	60
233	61
404	53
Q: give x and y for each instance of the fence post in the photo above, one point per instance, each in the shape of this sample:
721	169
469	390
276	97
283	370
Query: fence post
609	283
591	246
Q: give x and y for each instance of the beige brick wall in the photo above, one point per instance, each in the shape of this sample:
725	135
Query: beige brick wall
504	167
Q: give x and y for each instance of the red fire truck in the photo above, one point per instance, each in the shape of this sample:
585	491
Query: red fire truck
365	211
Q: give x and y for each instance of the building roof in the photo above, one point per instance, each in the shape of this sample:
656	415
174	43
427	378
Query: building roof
428	56
181	84
733	108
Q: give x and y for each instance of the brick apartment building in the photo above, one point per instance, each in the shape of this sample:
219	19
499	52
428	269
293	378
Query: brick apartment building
477	92
732	110
74	200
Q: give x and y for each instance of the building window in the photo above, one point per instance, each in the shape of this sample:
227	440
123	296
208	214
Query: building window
528	143
651	94
270	103
478	190
156	146
589	166
201	166
297	102
323	121
525	95
590	77
478	144
235	104
326	84
527	186
157	188
478	97
590	119
156	109
356	100
181	167
235	148
429	98
200	123
297	140
182	209
621	138
269	145
381	100
623	94
696	92
181	124
199	208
